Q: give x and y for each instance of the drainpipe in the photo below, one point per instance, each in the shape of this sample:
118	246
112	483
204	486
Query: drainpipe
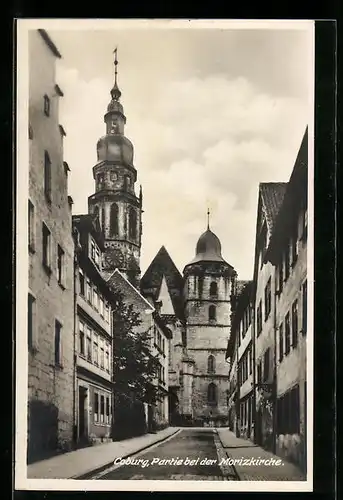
274	392
253	343
75	267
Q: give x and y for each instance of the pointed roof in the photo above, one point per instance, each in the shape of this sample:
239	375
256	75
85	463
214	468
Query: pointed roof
272	194
126	287
163	266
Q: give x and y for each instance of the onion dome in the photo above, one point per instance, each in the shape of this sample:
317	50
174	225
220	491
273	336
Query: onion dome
208	248
116	148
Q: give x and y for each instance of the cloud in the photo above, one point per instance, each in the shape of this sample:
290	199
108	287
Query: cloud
198	142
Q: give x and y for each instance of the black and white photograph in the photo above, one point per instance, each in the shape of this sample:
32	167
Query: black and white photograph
164	288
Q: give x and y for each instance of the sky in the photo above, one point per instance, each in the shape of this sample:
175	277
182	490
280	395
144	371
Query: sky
211	113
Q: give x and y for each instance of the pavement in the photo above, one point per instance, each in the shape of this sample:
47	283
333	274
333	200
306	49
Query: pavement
248	455
83	463
191	455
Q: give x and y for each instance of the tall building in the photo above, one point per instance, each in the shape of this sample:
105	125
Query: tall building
51	254
269	202
197	309
93	335
209	283
115	200
288	253
240	355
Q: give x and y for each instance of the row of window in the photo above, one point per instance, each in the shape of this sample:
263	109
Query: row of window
263	370
213	287
102	408
46	246
267	307
161	373
289	328
93	296
95	253
32	331
93	347
244	323
245	366
114	220
159	340
113	177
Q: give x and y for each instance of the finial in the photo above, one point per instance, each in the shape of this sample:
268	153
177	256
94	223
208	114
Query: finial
208	218
115	92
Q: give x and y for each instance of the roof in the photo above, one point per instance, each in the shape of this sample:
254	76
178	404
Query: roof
49	43
163	265
208	248
89	223
272	194
295	196
117	275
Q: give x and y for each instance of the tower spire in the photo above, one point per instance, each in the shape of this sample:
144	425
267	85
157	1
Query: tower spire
115	92
208	218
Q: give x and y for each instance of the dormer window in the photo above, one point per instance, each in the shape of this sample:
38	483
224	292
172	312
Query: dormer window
46	101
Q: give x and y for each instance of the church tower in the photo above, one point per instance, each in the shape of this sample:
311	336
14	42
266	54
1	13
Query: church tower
115	201
209	282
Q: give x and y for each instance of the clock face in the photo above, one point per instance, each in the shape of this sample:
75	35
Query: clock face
114	258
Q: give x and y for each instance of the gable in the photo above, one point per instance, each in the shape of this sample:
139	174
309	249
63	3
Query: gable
165	298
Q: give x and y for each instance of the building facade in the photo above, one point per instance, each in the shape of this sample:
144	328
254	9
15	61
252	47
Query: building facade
93	336
51	253
288	253
115	201
269	202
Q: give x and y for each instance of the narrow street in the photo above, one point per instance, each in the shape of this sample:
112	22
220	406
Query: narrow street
191	455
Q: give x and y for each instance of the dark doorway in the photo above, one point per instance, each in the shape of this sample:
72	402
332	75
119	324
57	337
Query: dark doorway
82	413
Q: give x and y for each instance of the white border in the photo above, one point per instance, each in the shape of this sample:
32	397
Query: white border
21	480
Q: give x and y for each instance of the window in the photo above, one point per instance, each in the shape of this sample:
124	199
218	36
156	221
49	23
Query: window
81	338
103	220
211	364
212	313
266	365
96	211
47	176
107	358
95	350
102	355
89	344
212	394
281	342
287	260
113	176
58	343
114	219
60	265
295	324
30	320
95	298
267	299
97	256
287	335
92	250
31	229
46	103
89	291
288	412
108	410
259	318
181	378
101	306
82	282
102	408
250	361
259	373
213	289
163	345
127	182
133	224
304	308
96	407
46	246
